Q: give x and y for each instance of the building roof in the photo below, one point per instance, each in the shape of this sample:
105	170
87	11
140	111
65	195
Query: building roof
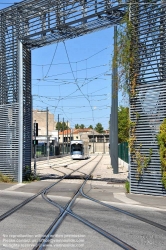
82	130
67	131
88	131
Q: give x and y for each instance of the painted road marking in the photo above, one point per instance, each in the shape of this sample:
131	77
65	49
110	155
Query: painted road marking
14	187
122	197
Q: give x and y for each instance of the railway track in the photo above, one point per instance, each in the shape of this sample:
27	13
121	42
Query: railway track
16	208
57	164
67	210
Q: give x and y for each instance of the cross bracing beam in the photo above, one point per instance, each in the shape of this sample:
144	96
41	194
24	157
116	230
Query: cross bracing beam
41	22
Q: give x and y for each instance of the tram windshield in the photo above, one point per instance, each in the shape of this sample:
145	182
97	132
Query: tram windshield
76	149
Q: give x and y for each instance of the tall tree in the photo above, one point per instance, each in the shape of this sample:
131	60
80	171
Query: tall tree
123	124
99	128
61	126
82	126
77	126
90	127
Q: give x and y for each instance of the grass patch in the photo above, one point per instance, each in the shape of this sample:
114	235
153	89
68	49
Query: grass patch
5	178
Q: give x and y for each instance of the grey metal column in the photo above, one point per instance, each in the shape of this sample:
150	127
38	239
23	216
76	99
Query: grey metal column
58	130
20	66
47	135
70	135
114	110
63	136
67	137
93	141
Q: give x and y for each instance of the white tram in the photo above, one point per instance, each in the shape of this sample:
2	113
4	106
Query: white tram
79	149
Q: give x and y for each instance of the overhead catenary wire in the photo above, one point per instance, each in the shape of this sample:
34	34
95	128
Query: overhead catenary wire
65	73
74	76
85	81
56	101
51	61
97	77
98	52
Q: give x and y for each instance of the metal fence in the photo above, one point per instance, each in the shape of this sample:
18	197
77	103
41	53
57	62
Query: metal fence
41	150
123	151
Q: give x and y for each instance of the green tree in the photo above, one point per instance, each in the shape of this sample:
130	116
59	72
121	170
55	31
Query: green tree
61	126
90	127
82	126
123	124
77	126
99	128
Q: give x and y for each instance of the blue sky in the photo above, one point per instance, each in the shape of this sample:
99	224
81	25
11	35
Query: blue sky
73	78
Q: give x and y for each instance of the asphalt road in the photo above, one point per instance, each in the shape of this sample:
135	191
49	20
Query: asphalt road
22	229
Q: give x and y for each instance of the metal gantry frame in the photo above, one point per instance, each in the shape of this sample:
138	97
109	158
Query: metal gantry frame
28	25
32	24
148	105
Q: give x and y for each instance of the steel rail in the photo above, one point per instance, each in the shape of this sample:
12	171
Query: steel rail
56	164
67	211
63	211
155	224
70	162
106	234
17	207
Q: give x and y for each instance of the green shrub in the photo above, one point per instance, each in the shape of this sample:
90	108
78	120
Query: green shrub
163	180
127	186
29	175
161	137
